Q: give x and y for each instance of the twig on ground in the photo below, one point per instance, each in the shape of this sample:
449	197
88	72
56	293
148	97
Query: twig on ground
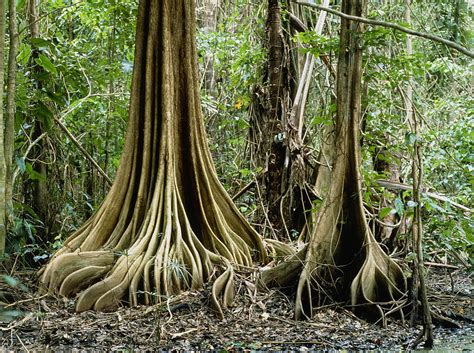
17	323
26	300
181	334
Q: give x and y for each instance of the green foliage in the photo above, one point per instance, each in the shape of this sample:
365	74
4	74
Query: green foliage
443	106
236	57
318	44
12	283
79	71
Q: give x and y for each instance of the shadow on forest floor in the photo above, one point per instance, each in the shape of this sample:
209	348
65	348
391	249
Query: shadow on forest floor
256	321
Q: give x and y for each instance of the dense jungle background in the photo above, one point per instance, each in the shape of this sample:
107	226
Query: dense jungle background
268	73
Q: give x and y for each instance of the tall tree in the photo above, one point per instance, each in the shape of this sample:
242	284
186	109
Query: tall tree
342	255
10	106
268	123
167	223
40	197
418	277
277	120
7	124
3	169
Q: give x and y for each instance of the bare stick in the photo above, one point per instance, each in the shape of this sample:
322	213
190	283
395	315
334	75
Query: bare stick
437	264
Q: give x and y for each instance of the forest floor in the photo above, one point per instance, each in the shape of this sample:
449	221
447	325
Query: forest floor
256	321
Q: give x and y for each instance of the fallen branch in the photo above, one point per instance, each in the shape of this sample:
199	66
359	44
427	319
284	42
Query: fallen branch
395	26
25	301
399	186
181	334
437	264
17	323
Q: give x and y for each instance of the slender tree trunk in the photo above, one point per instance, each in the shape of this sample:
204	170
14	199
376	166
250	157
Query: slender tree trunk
111	102
419	289
414	290
341	234
426	335
3	169
268	130
10	121
210	11
40	189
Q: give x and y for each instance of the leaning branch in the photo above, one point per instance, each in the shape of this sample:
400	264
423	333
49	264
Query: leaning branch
83	150
395	26
399	186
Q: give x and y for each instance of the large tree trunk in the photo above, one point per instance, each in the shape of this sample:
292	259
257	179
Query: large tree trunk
3	169
342	252
167	223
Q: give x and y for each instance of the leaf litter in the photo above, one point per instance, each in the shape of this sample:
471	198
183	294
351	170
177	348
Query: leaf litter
256	321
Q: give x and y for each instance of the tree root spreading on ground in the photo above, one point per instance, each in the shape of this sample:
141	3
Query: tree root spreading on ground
341	248
167	224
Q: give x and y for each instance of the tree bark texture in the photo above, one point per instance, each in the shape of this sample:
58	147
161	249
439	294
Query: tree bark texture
210	10
10	120
419	282
268	131
342	258
167	224
3	169
40	201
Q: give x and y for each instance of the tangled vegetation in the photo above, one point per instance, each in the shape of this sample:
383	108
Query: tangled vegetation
345	145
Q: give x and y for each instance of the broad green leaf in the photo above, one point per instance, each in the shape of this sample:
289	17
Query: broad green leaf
385	212
44	115
33	174
410	138
24	53
12	282
46	64
245	172
40	43
9	315
20	4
